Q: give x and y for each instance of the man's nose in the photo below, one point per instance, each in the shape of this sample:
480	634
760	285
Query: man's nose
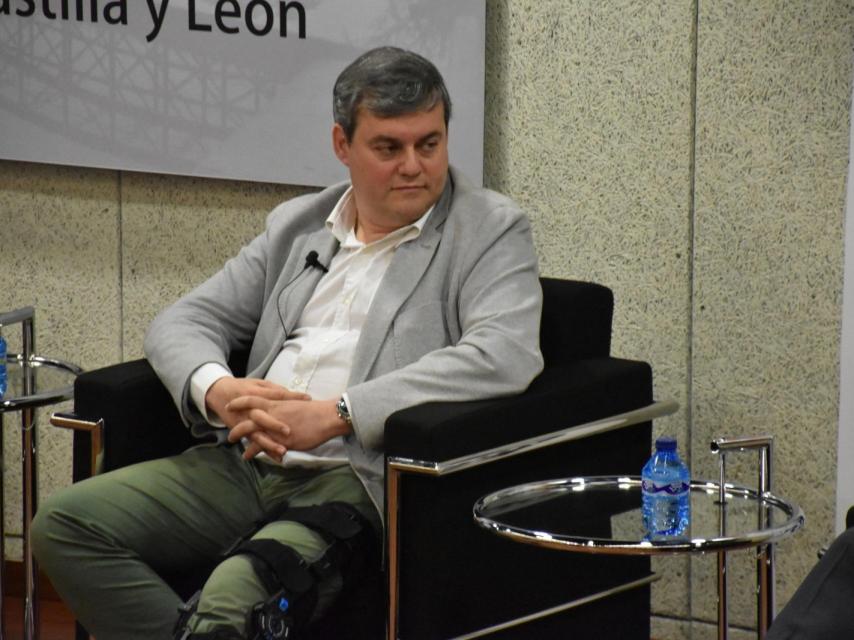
410	164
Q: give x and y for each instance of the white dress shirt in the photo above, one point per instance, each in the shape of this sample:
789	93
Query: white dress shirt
317	356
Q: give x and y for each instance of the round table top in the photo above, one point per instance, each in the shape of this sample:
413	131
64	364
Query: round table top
602	514
36	383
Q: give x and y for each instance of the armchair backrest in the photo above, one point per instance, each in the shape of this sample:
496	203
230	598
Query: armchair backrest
576	322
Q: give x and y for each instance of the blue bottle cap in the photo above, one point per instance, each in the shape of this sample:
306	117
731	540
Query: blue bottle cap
665	443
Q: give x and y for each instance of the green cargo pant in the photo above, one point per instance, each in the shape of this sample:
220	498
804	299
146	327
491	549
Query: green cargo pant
103	542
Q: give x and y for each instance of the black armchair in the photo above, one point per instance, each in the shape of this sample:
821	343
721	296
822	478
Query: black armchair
444	576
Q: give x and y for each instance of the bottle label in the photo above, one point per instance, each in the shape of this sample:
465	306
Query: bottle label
671	488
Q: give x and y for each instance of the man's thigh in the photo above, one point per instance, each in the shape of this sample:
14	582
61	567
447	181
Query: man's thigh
171	513
304	487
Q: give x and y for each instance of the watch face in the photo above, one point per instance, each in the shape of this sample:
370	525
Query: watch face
343	413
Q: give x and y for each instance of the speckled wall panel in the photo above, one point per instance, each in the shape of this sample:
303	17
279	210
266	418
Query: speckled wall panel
588	126
59	238
178	231
772	151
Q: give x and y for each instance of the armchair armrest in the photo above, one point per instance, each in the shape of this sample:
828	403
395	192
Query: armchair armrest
140	420
560	397
569	422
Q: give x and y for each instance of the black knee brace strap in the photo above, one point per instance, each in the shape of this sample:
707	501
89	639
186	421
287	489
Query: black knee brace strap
278	565
351	540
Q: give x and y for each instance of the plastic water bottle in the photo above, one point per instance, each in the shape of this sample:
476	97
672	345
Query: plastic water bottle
666	492
4	382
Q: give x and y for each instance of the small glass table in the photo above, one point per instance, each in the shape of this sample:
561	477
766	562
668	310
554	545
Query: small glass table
603	515
33	381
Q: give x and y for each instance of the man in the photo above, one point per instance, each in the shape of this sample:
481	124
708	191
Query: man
404	286
822	608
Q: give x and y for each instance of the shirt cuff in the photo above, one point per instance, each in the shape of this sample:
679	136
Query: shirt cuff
202	380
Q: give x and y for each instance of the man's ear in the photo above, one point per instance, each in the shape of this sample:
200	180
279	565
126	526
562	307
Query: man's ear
340	144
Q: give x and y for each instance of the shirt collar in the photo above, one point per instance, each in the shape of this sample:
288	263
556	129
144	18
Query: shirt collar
341	223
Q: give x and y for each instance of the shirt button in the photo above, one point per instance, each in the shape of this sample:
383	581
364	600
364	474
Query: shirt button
296	382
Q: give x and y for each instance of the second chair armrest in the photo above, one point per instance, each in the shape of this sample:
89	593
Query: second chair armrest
561	397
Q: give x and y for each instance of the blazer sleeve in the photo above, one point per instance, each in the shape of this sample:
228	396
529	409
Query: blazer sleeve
207	324
498	307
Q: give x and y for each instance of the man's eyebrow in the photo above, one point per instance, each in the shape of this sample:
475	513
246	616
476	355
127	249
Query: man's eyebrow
384	139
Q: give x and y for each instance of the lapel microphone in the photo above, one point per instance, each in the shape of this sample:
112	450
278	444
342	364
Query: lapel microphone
312	261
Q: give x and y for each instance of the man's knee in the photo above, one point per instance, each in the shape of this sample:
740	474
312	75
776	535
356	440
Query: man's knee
40	535
237	601
286	574
231	590
50	529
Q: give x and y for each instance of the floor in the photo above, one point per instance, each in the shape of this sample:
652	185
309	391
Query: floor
56	621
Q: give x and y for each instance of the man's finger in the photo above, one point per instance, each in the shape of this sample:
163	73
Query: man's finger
285	394
266	421
241	430
267	445
244	429
276	392
251	451
247	402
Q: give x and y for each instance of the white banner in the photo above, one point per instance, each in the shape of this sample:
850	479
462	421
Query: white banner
216	88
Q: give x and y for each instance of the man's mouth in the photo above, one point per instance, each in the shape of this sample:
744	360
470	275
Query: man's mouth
411	187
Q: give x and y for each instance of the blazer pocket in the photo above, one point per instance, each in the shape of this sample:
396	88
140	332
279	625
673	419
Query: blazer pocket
418	331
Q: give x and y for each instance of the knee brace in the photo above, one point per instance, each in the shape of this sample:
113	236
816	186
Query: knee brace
291	580
288	577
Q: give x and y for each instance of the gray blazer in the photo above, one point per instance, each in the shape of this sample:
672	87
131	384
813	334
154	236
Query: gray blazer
456	316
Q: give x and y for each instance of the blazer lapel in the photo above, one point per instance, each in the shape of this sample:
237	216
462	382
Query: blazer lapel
408	265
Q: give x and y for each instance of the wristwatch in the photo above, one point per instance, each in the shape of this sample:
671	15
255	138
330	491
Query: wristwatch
343	411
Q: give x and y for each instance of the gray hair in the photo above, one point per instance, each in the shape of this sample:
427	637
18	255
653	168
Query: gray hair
388	82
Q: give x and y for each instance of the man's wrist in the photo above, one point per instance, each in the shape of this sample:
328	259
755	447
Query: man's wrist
201	382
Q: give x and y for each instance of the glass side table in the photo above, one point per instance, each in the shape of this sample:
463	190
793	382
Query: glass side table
603	515
33	381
